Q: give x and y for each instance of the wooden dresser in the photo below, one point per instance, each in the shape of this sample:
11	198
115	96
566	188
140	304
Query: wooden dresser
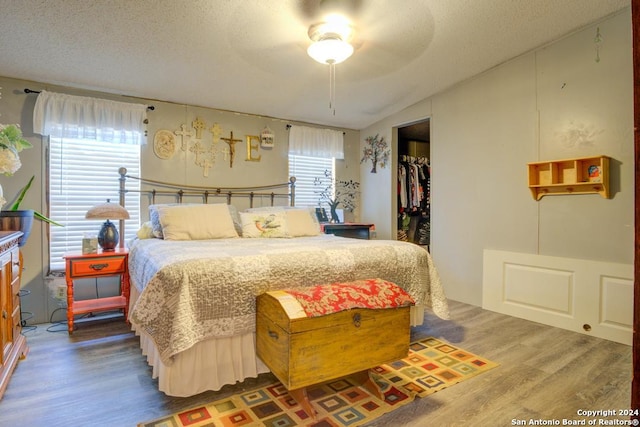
13	343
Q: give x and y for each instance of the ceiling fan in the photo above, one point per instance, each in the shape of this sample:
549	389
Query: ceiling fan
386	36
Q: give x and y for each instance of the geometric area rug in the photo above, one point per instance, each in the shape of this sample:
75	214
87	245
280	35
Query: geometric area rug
430	366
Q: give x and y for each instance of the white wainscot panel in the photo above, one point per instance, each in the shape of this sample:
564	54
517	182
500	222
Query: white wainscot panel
539	288
615	310
586	296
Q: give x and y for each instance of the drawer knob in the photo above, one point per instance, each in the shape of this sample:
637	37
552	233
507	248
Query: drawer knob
357	320
98	267
273	335
4	314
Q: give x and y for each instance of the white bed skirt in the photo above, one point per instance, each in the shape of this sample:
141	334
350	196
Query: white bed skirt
214	363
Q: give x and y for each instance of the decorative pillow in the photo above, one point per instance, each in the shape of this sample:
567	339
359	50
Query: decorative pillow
156	227
196	222
145	231
237	224
321	300
154	219
300	222
264	224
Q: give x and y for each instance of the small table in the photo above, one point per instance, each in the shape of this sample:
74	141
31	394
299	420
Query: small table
349	229
100	264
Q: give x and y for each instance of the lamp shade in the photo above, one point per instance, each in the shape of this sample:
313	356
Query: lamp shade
107	211
330	50
108	236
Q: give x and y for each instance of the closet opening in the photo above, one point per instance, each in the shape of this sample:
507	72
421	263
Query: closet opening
414	184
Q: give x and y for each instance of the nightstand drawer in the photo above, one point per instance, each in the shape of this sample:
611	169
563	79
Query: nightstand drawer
98	266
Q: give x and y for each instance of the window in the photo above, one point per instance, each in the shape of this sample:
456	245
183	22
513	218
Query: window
312	152
89	140
84	173
306	170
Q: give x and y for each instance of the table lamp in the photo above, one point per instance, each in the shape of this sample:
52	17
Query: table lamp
108	235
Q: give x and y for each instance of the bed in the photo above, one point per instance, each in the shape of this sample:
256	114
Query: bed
194	282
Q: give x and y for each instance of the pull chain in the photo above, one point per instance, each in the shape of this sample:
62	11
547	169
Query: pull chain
332	87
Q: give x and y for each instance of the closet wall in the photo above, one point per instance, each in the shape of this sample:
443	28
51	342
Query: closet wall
414	184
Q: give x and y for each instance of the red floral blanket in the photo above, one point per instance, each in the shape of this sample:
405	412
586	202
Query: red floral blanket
371	293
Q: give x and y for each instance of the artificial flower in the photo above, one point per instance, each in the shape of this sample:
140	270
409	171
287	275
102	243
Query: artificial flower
11	143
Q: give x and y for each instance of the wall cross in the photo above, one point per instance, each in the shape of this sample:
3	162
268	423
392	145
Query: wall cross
232	149
198	124
216	130
184	133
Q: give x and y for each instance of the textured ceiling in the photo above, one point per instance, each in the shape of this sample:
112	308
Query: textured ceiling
250	55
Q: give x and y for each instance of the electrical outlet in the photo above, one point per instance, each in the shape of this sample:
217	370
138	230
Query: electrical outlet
61	292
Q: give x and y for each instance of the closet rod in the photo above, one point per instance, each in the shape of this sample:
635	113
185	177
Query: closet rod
27	90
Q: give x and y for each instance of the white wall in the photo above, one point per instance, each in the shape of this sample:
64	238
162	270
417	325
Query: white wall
485	130
17	107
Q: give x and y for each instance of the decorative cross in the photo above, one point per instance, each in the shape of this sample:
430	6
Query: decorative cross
232	149
198	124
204	158
184	133
216	130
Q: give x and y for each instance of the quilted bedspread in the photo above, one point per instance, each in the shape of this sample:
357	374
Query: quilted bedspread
194	290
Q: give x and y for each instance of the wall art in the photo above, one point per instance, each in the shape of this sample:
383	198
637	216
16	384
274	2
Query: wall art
164	144
376	150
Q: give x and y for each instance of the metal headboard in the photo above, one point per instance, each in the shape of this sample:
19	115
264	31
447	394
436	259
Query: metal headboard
179	191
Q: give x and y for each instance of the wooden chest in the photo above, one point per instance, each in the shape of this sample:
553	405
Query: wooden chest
302	351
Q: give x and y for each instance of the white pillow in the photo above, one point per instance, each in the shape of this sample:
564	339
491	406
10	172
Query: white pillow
196	222
300	222
263	209
154	217
264	224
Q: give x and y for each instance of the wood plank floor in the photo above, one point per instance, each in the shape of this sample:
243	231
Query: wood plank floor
98	377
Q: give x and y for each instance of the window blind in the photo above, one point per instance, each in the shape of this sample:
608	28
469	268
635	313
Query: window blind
306	170
83	174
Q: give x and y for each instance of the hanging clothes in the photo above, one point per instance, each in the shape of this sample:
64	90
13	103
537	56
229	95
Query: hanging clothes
414	186
402	186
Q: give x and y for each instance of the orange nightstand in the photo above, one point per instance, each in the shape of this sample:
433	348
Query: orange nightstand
101	264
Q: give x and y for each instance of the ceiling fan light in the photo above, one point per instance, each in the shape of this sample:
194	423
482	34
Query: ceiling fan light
333	24
330	51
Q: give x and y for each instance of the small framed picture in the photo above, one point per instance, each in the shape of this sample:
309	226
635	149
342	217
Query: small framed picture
90	245
321	213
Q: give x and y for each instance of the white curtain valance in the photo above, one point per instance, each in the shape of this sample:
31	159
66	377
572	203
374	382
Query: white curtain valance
315	142
68	116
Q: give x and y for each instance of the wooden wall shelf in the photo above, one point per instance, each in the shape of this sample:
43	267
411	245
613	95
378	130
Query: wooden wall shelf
586	175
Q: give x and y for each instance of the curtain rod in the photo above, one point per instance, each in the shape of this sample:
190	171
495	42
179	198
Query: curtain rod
27	90
289	127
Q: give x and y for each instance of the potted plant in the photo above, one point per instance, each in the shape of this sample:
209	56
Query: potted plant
12	143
